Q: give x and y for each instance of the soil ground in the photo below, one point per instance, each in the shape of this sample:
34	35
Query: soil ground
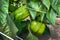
55	32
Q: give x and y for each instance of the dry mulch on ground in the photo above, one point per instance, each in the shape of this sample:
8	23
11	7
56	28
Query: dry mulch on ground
55	32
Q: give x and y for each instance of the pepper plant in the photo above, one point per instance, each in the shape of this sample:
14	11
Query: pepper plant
27	19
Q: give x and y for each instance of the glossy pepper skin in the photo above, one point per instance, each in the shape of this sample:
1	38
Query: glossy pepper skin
21	13
37	27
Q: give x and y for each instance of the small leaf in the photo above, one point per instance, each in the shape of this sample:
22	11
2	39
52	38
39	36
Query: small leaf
46	3
31	37
34	5
51	17
33	14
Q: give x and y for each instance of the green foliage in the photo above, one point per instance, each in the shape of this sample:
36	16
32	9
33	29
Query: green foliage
16	15
55	6
33	14
12	26
51	16
46	3
31	37
5	27
3	11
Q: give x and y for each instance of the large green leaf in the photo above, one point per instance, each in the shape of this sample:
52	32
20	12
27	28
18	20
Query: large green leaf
3	15
3	10
12	27
31	37
51	17
55	6
46	3
58	2
5	27
42	8
54	2
33	14
34	5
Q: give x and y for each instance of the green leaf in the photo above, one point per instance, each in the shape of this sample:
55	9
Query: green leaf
42	16
3	10
33	14
58	2
34	5
42	8
21	24
46	3
3	15
55	6
51	17
3	18
54	2
12	26
58	11
31	37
